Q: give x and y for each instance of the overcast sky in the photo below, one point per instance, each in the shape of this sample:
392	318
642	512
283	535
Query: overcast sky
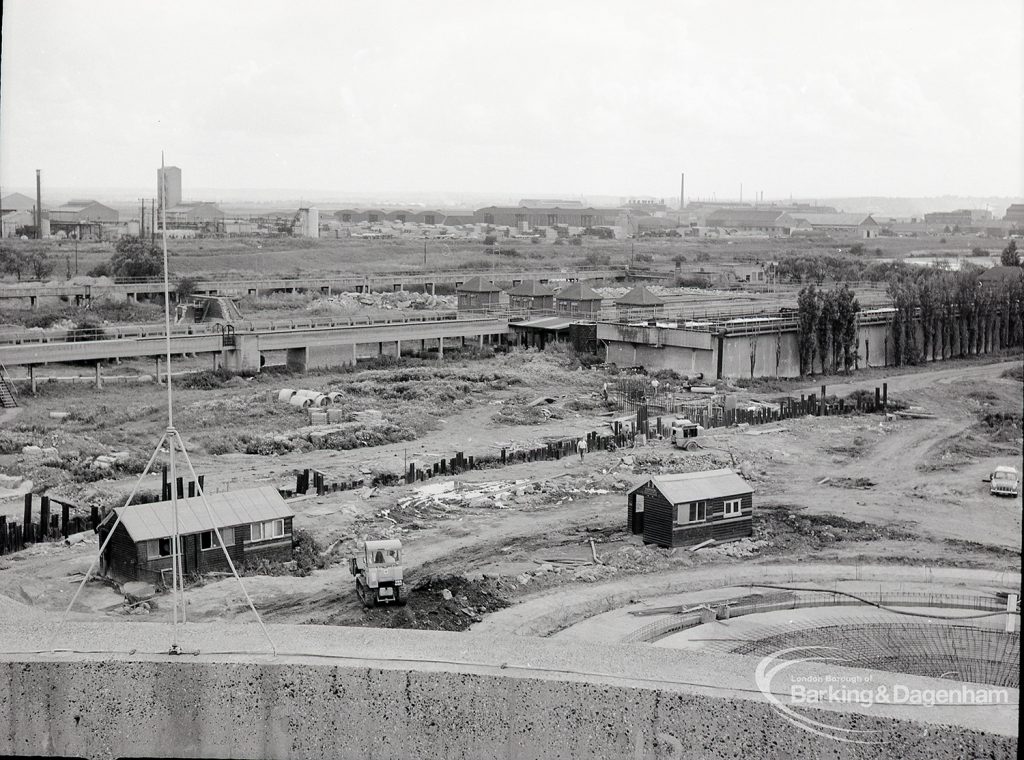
802	97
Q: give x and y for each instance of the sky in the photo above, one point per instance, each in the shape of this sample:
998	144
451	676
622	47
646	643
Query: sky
557	98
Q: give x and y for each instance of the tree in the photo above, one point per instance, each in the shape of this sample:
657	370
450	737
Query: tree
135	258
41	264
13	261
1009	258
823	328
807	318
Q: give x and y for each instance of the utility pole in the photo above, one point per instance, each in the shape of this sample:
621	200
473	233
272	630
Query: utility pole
424	251
142	220
152	221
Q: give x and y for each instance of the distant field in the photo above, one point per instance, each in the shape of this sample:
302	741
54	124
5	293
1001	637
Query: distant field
251	257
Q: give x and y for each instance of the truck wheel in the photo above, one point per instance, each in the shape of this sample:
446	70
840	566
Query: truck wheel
400	598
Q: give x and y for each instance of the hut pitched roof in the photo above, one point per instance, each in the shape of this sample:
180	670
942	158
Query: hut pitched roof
148	521
478	285
578	292
531	288
640	296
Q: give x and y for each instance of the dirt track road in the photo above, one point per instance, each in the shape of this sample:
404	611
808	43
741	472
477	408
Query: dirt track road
914	380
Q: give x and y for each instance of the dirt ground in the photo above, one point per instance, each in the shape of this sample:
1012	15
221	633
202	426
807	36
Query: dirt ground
860	488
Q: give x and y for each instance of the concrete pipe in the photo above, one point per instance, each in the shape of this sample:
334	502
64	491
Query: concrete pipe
308	394
334	396
285	394
301	402
321	400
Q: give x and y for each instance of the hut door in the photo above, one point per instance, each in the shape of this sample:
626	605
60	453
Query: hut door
638	514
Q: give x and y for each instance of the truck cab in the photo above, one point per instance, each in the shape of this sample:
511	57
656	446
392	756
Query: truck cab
378	572
684	434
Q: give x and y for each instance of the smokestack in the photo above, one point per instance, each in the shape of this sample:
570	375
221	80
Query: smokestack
682	191
39	205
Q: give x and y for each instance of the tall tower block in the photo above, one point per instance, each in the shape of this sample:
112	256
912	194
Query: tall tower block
169	179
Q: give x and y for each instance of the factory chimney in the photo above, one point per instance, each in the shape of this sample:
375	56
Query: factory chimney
682	191
39	206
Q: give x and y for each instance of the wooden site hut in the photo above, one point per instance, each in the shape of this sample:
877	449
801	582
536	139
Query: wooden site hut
255	523
579	300
478	294
690	508
532	296
639	303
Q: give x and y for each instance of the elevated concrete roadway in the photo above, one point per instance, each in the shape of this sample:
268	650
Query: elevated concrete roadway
315	345
112	690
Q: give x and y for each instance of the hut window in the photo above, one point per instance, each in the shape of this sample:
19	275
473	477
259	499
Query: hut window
697	512
732	508
160	547
208	540
266	530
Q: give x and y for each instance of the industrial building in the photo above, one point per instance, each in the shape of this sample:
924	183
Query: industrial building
168	179
524	217
1015	214
861	225
963	217
254	523
16	202
307	223
691	508
203	215
81	211
767	221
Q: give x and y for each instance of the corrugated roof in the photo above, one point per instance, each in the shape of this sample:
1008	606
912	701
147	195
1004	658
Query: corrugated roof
698	486
148	521
531	288
478	285
640	296
578	292
743	217
833	220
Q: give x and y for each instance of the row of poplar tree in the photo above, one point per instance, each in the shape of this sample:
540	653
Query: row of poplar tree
938	314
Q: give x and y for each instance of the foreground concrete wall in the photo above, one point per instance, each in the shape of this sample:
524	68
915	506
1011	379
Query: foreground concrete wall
357	693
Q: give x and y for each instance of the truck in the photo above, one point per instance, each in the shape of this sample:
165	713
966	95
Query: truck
684	434
378	573
1005	481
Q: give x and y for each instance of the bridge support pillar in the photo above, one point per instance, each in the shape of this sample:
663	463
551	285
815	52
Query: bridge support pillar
398	349
440	349
32	378
99	377
481	340
245	356
32	301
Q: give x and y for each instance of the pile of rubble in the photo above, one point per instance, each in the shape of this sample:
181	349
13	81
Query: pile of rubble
402	299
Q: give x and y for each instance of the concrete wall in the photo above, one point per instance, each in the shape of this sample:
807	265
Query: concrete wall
775	355
684	351
359	693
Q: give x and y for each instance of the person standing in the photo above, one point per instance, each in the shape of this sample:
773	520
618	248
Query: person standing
581	447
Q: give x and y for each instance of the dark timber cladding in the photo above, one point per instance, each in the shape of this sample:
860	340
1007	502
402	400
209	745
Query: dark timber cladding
690	508
254	523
